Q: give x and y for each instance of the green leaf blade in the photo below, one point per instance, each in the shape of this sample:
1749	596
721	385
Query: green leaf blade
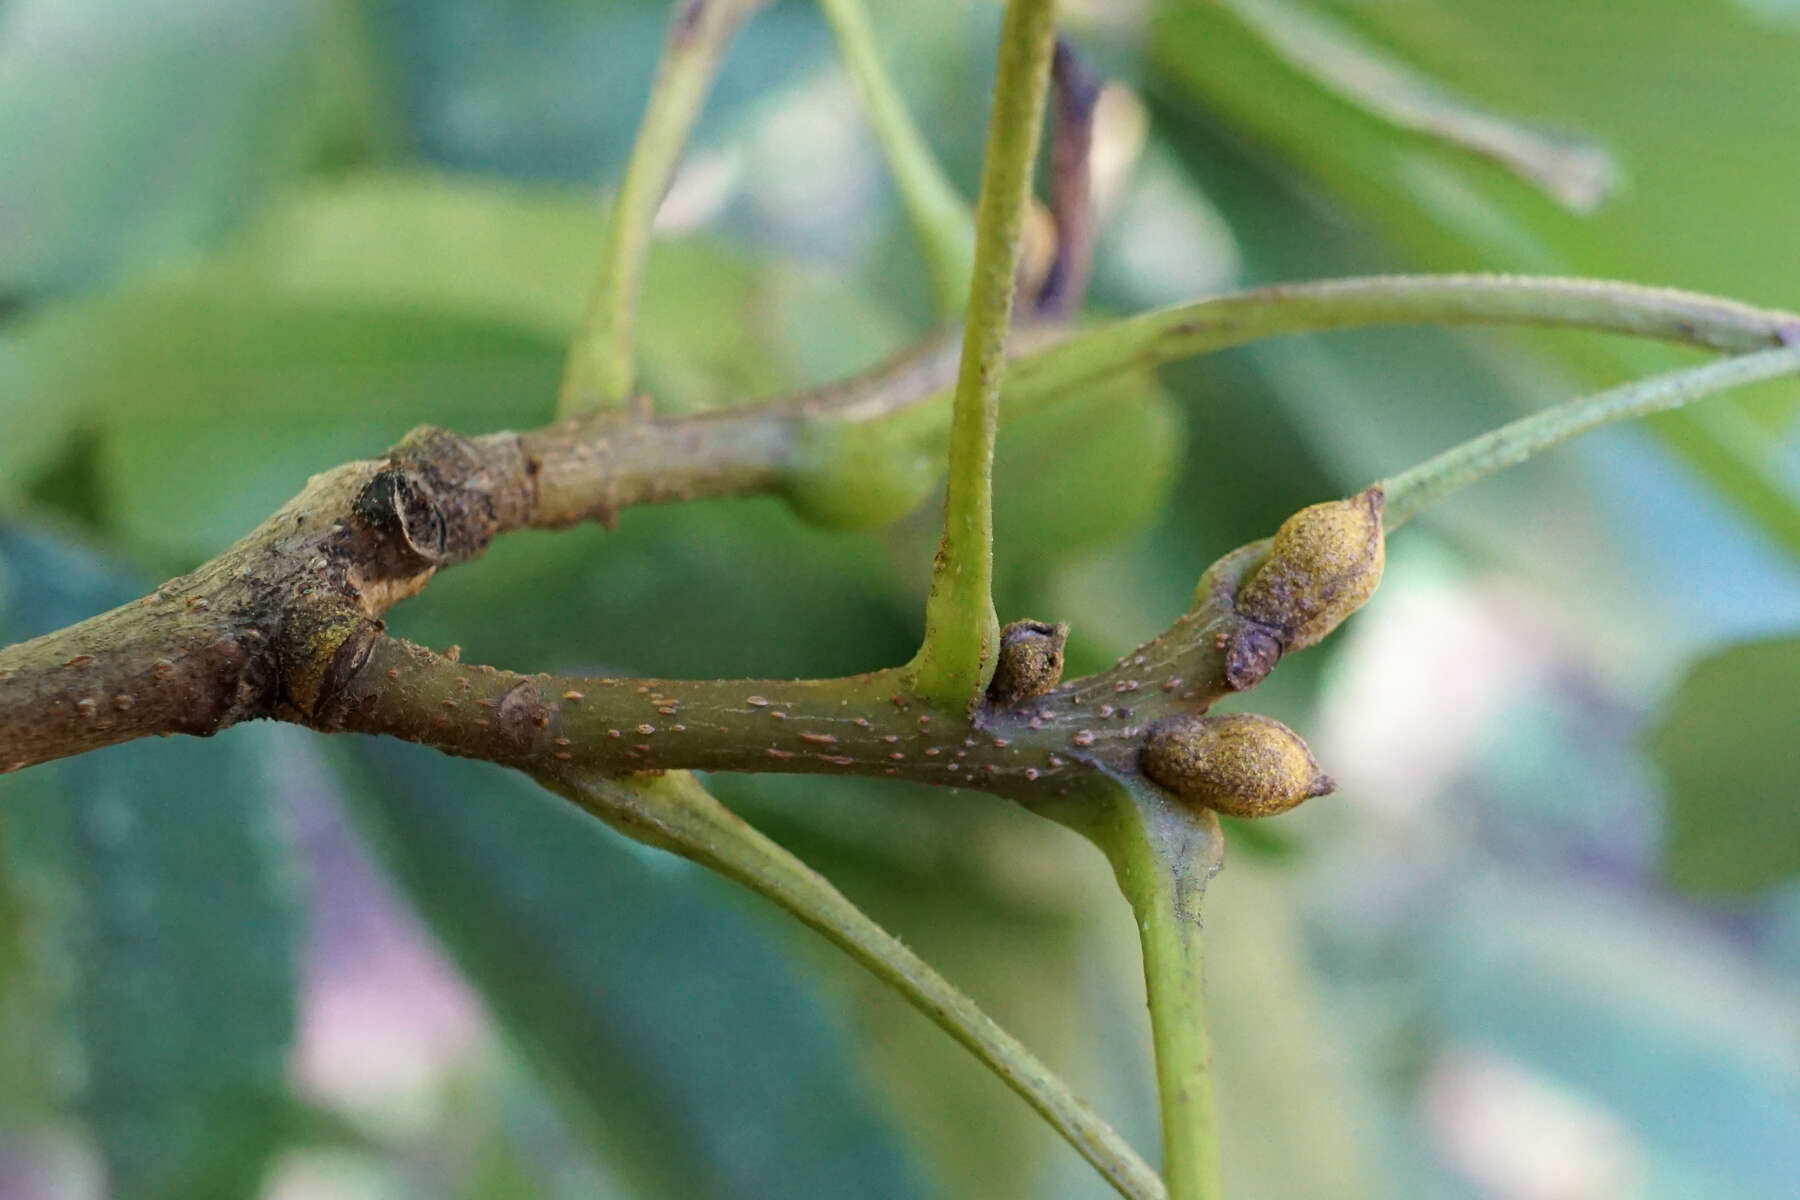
161	917
667	1026
1726	748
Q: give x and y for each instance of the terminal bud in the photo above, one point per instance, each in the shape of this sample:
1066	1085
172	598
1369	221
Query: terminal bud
1324	563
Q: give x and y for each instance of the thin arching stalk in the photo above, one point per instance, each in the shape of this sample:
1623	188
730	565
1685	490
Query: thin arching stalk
942	224
676	813
602	364
1413	490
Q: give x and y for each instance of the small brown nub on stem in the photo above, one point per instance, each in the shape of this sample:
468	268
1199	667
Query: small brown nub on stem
1030	662
1250	654
1239	764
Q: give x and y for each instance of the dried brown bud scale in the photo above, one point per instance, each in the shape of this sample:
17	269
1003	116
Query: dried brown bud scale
1030	661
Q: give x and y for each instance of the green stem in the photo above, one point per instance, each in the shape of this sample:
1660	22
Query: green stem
1166	335
1163	855
1511	444
940	218
674	812
601	370
961	630
865	451
867	725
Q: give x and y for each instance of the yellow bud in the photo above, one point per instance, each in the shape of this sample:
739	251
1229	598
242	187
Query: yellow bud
1030	661
1323	564
1239	764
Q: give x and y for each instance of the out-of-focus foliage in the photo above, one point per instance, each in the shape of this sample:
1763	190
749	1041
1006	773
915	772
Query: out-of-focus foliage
683	1044
155	922
1727	746
240	242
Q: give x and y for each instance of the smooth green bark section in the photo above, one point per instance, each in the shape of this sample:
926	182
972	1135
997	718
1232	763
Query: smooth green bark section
1163	853
961	630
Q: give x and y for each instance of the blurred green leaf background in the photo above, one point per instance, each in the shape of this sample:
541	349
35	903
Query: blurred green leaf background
1544	943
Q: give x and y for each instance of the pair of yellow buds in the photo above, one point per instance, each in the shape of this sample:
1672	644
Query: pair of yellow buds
1323	563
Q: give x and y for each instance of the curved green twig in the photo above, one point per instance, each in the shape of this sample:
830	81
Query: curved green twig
1218	322
602	369
1511	444
961	630
940	218
897	417
674	812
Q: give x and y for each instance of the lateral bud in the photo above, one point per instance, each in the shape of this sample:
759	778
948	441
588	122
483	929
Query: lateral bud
1030	662
1239	764
1323	564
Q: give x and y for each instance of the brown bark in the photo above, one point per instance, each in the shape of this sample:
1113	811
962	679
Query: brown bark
284	623
275	625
